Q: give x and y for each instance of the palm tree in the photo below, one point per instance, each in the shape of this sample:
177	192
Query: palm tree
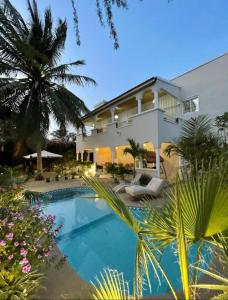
197	144
32	81
135	150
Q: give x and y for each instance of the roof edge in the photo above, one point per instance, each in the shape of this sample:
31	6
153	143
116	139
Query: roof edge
199	66
149	81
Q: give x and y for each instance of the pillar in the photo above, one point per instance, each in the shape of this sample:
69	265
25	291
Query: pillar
95	155
155	91
113	154
77	155
95	121
112	114
139	104
88	155
158	163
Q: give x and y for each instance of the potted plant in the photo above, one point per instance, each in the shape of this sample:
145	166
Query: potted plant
39	177
73	174
57	173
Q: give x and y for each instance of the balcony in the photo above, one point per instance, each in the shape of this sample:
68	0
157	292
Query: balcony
152	125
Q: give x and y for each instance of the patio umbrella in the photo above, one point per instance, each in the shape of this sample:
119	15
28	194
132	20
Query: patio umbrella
44	154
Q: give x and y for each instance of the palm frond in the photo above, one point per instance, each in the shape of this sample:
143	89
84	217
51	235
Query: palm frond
111	285
223	286
181	245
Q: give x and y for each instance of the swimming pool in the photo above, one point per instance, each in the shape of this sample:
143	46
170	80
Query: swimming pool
93	238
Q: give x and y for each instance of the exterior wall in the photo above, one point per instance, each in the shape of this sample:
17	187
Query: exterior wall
210	83
171	164
103	155
121	157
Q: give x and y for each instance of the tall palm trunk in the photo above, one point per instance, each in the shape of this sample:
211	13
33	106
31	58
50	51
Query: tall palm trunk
39	161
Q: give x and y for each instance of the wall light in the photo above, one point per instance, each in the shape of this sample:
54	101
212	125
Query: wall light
116	117
97	149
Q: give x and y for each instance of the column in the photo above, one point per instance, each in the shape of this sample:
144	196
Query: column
95	121
157	151
95	155
77	155
139	103
88	155
155	91
113	154
82	155
112	110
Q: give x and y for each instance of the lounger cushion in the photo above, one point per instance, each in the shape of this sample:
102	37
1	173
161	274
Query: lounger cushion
138	190
120	187
156	185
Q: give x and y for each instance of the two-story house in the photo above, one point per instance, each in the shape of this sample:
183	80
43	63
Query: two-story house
151	113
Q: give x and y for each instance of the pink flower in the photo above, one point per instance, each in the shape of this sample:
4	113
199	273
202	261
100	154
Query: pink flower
26	268
23	252
2	243
23	261
10	257
16	244
10	225
9	236
46	254
20	218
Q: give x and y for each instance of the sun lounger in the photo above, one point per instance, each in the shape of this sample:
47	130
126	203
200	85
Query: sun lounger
153	188
121	187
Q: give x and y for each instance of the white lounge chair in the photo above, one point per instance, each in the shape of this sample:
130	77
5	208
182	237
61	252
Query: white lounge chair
153	188
121	187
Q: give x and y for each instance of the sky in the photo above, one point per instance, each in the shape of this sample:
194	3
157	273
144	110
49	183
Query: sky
157	37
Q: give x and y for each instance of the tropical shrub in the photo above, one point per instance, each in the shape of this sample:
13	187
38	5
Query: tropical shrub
6	177
111	168
198	145
26	245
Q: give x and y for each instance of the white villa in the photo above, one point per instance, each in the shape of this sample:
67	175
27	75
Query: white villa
151	113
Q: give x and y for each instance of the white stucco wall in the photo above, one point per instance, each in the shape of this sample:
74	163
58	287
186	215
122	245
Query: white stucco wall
210	83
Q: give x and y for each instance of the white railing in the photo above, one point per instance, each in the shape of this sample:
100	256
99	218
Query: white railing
124	123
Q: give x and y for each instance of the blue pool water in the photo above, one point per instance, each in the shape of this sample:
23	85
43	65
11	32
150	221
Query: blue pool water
93	238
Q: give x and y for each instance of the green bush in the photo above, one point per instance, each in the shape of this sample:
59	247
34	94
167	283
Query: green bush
111	168
26	244
144	179
6	177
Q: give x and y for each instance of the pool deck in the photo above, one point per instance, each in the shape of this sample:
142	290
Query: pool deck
43	187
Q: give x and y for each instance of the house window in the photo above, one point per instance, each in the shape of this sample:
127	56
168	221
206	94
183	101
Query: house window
191	105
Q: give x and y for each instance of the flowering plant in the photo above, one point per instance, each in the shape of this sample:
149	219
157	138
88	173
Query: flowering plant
27	237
